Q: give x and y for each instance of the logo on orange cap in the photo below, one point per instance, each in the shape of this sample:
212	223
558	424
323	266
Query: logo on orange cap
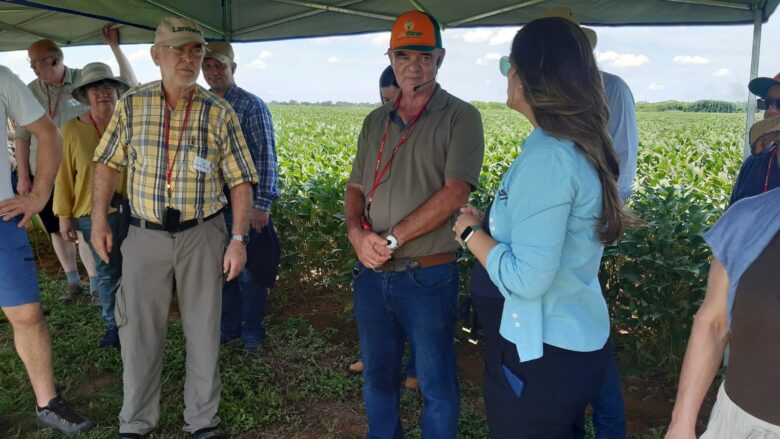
415	30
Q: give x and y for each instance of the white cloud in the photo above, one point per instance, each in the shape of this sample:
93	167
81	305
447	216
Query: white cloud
657	87
503	36
485	59
720	73
690	60
625	60
257	64
333	60
381	39
478	36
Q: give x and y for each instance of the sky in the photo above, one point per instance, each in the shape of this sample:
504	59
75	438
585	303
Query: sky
683	63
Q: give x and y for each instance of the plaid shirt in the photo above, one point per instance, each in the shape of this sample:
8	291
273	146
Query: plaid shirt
211	152
258	130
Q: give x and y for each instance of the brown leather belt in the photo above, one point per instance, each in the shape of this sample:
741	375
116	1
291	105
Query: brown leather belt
404	264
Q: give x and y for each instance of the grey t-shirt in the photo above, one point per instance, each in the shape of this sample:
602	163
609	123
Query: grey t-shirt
66	107
17	103
446	143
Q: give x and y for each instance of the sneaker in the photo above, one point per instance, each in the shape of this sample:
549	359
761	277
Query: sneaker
252	347
94	299
110	338
210	433
70	292
59	416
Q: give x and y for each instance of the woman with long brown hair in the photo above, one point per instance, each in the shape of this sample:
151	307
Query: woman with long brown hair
539	245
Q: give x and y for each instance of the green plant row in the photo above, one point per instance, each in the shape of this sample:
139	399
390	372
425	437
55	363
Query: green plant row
653	279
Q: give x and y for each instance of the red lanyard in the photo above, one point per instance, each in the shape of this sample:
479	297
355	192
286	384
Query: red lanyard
377	174
94	124
769	168
169	165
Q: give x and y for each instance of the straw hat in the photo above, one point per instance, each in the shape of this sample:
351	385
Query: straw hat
96	72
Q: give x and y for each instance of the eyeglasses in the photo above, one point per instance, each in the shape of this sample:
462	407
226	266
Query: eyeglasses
504	64
195	51
36	62
101	89
766	103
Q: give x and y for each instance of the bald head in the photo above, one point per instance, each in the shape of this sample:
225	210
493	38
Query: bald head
46	61
49	47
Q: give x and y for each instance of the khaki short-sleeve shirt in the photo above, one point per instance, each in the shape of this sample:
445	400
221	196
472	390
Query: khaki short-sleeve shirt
446	143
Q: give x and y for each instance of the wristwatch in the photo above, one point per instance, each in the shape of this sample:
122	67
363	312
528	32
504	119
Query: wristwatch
468	232
243	239
392	242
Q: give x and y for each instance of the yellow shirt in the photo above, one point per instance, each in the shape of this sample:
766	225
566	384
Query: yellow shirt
73	186
211	153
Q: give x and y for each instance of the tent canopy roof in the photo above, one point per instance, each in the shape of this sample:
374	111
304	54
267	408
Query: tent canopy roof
78	22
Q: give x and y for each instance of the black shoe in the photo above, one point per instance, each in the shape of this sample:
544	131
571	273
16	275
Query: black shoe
61	417
110	338
210	433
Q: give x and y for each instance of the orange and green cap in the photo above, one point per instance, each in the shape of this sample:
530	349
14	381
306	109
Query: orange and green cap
415	30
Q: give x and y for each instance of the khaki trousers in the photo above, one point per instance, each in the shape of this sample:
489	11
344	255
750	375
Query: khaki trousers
152	262
729	421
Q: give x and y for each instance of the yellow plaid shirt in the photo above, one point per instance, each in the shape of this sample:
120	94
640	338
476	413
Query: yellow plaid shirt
212	152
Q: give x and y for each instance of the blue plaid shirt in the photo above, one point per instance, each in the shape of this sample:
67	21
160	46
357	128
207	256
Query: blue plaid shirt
255	121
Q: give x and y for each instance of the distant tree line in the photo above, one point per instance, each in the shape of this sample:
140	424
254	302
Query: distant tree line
703	106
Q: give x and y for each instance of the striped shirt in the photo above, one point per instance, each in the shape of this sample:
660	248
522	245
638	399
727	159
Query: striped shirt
205	154
258	130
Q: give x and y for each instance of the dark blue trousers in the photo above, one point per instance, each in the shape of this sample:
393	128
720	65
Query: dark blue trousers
557	387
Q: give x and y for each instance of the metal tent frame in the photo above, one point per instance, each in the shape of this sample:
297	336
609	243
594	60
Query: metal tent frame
78	22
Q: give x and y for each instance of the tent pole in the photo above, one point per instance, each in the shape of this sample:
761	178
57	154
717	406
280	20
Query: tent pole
227	19
758	15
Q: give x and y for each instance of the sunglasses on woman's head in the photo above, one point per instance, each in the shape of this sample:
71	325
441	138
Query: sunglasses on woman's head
504	65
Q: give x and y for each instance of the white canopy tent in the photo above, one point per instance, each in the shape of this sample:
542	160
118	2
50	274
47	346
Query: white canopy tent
78	22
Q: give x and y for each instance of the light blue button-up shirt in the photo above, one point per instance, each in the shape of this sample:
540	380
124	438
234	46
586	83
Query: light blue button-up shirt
547	260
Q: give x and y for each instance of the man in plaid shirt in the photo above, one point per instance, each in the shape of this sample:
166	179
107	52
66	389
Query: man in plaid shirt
180	146
244	299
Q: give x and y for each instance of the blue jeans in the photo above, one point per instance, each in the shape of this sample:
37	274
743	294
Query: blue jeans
108	273
609	416
243	309
421	305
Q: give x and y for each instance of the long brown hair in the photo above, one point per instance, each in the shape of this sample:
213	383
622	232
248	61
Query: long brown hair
563	86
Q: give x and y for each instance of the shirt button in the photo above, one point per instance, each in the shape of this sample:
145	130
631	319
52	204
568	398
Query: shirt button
514	315
517	324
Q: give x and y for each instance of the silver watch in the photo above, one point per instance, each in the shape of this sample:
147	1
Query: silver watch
243	239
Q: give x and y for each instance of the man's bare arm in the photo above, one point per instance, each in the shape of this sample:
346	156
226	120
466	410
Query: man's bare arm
240	205
440	207
111	37
371	249
48	159
103	188
24	176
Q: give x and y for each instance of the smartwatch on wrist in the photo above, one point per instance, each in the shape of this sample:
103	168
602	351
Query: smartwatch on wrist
392	242
468	232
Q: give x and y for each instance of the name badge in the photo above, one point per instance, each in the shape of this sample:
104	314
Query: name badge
201	165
